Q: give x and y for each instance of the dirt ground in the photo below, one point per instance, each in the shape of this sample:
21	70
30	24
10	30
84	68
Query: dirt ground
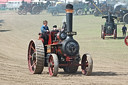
110	56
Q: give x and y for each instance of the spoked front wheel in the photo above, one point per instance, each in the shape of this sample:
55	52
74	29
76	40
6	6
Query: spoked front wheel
24	12
115	33
36	57
20	12
126	41
102	32
55	13
53	65
87	64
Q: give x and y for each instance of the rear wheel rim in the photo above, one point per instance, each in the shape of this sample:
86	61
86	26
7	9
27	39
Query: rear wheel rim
125	18
31	57
36	57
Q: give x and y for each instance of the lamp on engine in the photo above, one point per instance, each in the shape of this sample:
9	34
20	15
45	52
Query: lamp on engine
60	53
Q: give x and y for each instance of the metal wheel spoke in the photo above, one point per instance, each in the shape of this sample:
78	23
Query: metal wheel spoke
30	56
33	64
52	70
53	65
33	48
86	64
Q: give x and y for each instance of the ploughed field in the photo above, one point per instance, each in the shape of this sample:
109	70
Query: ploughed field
110	56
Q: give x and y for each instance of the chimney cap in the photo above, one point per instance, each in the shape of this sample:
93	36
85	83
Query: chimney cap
69	6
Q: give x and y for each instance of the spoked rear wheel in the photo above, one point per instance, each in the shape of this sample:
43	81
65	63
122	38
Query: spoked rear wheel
115	33
87	64
35	10
24	12
80	11
20	12
53	65
102	32
36	57
55	13
126	41
125	18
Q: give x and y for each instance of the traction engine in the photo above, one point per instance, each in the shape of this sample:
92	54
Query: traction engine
61	51
110	28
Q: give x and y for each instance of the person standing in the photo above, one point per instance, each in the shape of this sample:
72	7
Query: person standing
124	30
85	10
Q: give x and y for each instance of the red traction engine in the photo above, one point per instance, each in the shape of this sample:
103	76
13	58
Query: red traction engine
61	51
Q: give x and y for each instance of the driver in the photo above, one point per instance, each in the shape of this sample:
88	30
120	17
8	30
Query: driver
44	30
54	33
